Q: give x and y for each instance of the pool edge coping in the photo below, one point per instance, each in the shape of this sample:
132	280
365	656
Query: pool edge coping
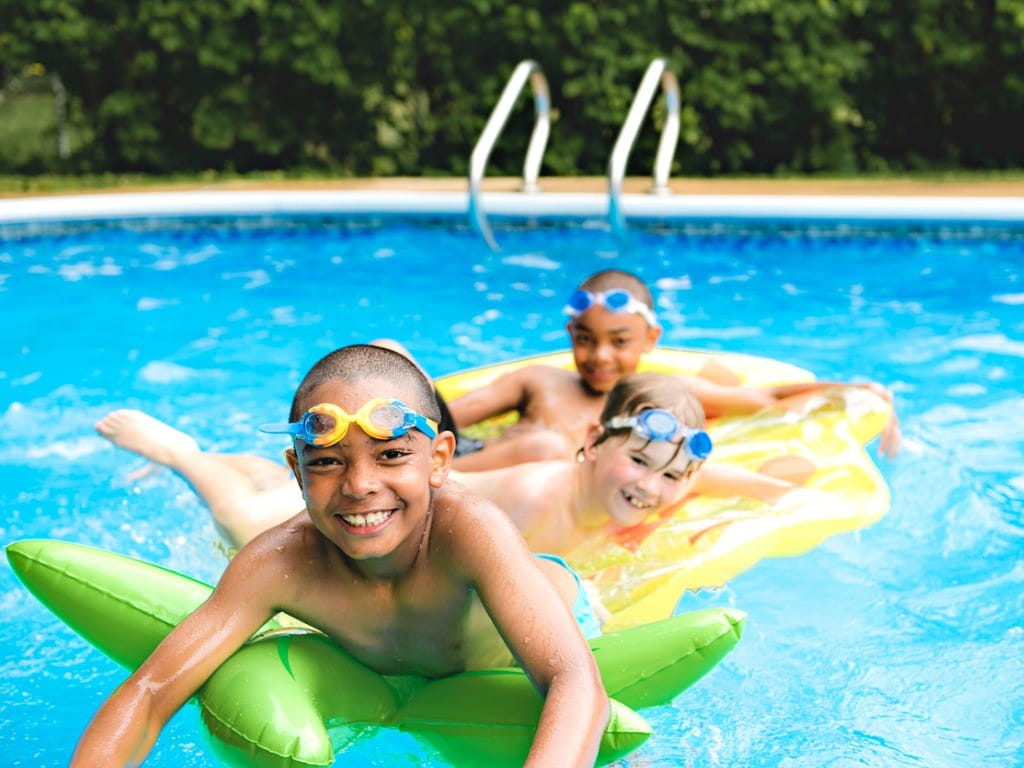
366	202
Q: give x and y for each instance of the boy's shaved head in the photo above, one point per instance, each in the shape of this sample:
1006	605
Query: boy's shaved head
359	362
611	279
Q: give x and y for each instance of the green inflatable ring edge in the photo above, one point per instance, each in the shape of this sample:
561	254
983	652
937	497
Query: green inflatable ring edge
48	568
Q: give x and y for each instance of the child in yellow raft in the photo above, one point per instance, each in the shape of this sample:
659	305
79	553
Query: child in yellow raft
640	459
407	572
611	326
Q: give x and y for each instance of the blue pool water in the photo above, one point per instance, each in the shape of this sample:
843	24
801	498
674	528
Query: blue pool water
899	645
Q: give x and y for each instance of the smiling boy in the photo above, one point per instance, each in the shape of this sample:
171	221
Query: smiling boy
407	572
556	406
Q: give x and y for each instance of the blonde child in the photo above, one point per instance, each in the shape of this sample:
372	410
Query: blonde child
643	455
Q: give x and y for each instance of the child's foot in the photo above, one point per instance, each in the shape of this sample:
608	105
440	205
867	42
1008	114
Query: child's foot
150	438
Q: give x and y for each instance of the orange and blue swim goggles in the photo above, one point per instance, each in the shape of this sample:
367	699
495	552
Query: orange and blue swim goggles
662	426
617	300
382	418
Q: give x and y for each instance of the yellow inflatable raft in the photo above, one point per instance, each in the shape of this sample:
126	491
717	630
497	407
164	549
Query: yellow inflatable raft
641	572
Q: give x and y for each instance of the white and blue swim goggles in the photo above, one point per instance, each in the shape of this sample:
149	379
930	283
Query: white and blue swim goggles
382	418
662	426
617	300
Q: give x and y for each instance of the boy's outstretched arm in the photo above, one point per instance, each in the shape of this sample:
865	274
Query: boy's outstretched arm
505	393
540	630
724	480
889	444
125	728
723	400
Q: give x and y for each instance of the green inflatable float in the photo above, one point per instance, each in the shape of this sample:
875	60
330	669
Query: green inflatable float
293	698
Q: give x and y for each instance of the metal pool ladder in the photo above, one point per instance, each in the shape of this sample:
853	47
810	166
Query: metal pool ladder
526	70
657	71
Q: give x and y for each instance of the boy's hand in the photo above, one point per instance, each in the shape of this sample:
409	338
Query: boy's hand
891	440
891	437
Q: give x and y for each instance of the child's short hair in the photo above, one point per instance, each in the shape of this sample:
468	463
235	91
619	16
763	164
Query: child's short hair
612	279
636	392
358	362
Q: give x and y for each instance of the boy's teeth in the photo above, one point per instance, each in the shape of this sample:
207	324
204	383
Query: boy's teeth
634	501
371	518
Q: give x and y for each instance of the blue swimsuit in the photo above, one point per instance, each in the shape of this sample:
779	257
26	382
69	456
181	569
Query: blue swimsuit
582	609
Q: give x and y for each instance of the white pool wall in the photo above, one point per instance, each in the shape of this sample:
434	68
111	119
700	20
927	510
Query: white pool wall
213	203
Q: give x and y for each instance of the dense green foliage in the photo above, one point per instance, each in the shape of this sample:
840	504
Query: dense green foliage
362	87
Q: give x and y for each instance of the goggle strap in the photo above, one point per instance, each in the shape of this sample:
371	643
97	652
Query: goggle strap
621	422
420	421
280	429
644	311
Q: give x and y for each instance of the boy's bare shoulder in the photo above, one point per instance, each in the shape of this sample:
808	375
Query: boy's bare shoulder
462	519
539	378
291	552
535	371
458	507
546	372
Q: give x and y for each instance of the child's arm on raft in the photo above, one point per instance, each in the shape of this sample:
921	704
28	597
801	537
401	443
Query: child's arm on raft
508	392
126	727
542	634
724	480
725	400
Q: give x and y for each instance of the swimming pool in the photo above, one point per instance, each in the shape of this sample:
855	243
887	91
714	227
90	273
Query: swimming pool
900	645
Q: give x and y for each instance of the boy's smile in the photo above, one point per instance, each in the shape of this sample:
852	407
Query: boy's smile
368	522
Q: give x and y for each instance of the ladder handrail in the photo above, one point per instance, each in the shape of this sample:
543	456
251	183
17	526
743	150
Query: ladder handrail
526	70
657	72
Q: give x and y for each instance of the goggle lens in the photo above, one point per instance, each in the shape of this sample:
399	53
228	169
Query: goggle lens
617	301
580	301
699	445
388	417
320	424
659	425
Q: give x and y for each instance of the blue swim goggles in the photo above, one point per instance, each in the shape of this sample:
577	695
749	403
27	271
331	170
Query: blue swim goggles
382	418
662	426
617	300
